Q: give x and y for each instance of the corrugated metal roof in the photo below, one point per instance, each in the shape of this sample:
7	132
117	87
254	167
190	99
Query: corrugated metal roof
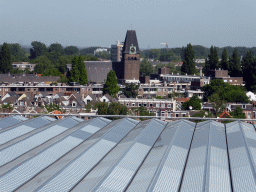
126	155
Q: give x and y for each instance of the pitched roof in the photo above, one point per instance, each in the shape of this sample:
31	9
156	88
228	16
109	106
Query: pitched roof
225	114
130	39
97	70
70	163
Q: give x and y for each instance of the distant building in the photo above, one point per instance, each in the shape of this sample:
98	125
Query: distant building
99	50
23	66
116	52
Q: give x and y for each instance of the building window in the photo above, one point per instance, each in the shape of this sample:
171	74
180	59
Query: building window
159	89
169	105
104	100
139	104
127	104
62	89
133	104
225	80
162	113
243	106
169	114
183	115
230	80
163	105
151	104
88	89
177	115
73	104
145	104
157	105
6	89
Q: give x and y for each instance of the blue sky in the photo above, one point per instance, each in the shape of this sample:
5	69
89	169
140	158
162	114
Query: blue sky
103	22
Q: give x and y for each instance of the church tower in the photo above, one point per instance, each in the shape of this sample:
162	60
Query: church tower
131	58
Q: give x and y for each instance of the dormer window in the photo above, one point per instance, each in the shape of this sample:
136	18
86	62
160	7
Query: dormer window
73	104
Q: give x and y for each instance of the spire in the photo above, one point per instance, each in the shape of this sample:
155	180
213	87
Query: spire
130	40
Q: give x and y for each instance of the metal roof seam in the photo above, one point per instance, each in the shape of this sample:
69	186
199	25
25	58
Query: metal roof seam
248	152
164	155
101	160
81	125
183	172
89	148
33	132
230	173
143	160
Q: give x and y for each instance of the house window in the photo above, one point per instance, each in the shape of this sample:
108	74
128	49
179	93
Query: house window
183	115
230	80
164	89
133	104
243	106
139	104
159	89
163	105
225	81
73	104
162	113
104	100
169	114
145	104
157	105
82	89
169	105
177	115
88	101
127	104
62	89
235	80
88	89
151	104
6	89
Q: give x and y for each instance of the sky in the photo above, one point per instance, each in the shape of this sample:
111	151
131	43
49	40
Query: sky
86	23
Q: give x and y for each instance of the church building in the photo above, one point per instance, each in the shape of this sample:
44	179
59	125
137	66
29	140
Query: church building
128	69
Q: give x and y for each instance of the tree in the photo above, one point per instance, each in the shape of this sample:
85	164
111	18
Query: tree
238	113
146	68
194	102
37	49
218	105
249	71
43	64
110	85
74	73
5	59
188	65
56	48
131	90
17	52
83	72
224	60
71	50
226	92
213	58
117	109
235	66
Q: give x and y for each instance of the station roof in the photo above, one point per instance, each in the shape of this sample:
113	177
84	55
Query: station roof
44	154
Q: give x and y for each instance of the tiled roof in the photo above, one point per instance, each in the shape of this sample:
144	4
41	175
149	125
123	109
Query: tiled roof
97	70
225	114
126	155
25	78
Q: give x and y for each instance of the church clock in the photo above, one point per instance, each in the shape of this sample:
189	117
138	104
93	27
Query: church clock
132	49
